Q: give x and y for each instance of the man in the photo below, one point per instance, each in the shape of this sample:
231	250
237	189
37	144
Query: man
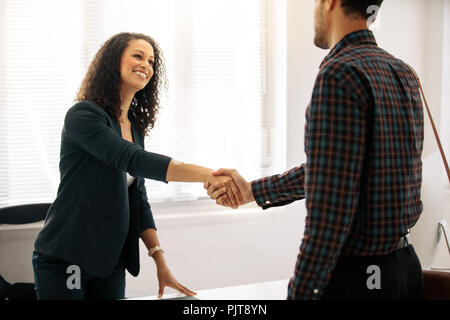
362	177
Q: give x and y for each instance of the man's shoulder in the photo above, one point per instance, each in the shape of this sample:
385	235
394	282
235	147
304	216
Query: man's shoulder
359	61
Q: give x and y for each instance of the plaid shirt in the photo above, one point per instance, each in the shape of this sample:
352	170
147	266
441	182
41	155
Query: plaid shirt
362	177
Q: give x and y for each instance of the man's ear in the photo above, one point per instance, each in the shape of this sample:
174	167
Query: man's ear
331	4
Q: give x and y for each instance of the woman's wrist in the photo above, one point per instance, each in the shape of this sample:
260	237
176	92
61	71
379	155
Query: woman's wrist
206	175
183	172
158	257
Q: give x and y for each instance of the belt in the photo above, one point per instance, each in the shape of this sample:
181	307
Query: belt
404	241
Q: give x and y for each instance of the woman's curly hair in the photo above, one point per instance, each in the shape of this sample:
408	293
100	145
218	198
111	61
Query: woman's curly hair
102	81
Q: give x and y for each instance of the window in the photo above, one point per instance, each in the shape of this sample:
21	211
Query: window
214	114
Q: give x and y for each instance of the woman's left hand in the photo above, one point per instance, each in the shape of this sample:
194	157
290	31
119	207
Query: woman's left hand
166	279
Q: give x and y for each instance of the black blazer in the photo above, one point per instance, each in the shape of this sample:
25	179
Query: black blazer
95	215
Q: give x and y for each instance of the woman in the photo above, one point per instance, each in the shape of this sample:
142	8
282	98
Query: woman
91	233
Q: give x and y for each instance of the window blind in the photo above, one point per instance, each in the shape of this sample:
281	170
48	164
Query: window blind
215	112
39	45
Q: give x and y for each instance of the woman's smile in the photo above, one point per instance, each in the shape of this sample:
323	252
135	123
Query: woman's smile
141	74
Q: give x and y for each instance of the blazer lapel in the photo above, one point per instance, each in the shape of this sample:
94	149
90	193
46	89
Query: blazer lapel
134	130
116	125
136	135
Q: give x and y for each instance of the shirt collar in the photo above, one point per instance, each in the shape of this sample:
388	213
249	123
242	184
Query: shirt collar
357	37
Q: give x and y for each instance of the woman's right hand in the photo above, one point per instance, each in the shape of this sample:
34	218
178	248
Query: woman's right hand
225	186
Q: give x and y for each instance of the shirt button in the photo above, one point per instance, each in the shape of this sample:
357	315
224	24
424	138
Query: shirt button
267	202
316	291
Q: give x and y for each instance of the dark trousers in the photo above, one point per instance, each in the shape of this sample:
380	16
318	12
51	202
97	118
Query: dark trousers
56	280
395	276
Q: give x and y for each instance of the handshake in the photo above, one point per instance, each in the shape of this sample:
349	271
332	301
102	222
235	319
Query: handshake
229	188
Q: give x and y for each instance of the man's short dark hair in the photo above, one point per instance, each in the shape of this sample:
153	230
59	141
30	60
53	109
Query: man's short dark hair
359	7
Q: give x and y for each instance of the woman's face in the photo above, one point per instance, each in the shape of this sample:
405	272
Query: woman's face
136	68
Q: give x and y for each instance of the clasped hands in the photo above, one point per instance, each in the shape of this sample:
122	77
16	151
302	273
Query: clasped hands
229	188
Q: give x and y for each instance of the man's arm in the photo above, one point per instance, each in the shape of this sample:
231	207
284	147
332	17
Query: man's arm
335	144
273	191
281	189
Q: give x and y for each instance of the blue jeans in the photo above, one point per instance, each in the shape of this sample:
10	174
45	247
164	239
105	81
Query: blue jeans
55	280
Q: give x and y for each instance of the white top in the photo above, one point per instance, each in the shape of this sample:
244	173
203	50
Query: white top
130	179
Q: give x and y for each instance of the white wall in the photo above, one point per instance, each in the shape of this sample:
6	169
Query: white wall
226	250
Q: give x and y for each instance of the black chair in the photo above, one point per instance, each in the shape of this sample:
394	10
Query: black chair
21	214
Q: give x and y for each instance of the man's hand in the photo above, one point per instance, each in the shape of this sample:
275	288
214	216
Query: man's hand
228	189
218	193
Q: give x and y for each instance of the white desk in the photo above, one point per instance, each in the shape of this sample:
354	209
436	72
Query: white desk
274	290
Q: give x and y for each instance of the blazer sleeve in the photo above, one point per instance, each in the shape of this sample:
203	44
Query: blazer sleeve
146	220
86	124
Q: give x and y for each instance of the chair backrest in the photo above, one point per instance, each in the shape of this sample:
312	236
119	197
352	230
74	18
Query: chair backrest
25	213
20	214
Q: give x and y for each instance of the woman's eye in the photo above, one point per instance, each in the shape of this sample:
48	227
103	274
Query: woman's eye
138	56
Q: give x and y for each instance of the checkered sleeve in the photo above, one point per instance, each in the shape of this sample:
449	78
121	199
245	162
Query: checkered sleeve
335	142
279	190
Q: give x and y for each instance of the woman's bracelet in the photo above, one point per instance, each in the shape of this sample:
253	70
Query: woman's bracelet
155	249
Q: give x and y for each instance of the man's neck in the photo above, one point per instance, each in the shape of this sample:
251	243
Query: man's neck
342	29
